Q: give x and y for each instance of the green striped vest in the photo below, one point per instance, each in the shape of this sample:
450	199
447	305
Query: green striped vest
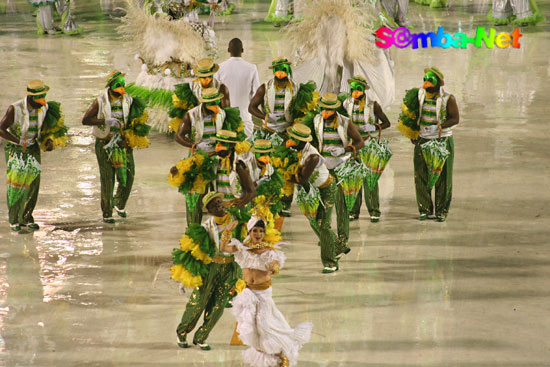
331	138
428	114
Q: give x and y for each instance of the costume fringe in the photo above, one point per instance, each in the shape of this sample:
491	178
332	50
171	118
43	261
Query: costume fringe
53	127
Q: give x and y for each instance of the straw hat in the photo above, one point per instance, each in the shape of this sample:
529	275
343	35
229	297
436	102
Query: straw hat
227	136
437	72
115	74
36	88
262	146
359	79
279	61
205	67
211	196
330	101
300	132
210	95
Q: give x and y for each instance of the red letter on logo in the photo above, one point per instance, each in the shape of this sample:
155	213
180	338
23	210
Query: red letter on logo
385	35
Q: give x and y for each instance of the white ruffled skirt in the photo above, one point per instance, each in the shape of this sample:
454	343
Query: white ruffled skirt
263	327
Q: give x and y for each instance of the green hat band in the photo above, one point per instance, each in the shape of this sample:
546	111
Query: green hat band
43	89
114	77
260	149
280	61
206	71
299	134
225	137
212	96
329	103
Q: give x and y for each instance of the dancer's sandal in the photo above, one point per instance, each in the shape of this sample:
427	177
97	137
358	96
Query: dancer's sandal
182	341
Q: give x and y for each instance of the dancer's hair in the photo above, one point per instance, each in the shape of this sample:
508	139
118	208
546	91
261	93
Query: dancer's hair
259	224
235	47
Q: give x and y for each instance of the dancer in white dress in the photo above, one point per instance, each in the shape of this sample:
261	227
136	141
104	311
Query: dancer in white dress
261	325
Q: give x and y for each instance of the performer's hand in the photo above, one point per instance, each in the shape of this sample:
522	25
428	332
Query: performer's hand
26	142
367	127
49	145
273	118
112	122
236	203
336	151
231	226
122	143
206	146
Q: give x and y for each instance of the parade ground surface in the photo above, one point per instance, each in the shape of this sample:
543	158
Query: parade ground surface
470	292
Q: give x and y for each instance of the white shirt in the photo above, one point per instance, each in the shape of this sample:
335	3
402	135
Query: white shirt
242	80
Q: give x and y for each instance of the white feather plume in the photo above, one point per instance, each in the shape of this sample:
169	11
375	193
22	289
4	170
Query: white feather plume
158	39
342	24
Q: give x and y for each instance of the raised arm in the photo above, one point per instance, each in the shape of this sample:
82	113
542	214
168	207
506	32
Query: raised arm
247	184
227	237
256	102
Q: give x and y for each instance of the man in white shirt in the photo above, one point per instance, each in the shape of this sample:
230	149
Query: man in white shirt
242	80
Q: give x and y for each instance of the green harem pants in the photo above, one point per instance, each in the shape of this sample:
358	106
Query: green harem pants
211	298
330	245
372	200
108	176
342	214
443	186
21	211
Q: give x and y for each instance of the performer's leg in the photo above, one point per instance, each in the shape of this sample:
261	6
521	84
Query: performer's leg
287	200
327	238
372	200
502	11
217	301
356	210
67	21
342	216
31	197
45	19
107	178
123	192
423	194
402	6
197	303
281	9
444	185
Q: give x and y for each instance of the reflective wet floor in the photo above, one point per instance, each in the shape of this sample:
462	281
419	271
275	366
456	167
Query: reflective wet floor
470	292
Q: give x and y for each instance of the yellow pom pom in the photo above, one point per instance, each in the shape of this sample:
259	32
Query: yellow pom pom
176	180
186	243
199	186
242	147
185	165
199	160
175	124
136	141
240	286
180	274
288	189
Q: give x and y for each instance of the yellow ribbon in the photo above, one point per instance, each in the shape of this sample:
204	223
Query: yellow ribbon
225	163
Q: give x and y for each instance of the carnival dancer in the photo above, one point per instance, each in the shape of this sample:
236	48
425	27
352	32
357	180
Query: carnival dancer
214	292
45	22
518	12
337	141
204	71
260	324
198	131
119	125
312	171
29	125
365	113
429	114
278	99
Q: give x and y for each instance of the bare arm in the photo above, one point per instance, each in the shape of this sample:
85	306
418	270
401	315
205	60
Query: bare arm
5	124
355	135
226	101
248	186
226	238
453	116
256	102
381	116
183	132
90	117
